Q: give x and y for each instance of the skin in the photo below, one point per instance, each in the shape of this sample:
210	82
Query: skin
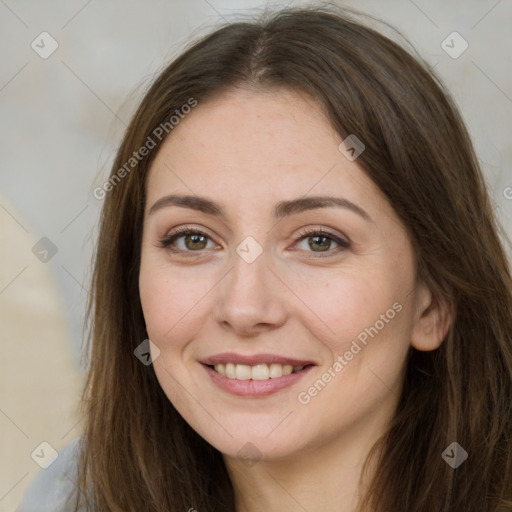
249	149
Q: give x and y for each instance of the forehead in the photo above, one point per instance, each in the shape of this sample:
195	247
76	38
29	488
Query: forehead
256	148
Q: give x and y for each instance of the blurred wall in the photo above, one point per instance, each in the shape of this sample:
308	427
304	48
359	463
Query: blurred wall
71	75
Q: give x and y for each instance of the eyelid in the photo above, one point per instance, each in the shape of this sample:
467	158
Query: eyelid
167	240
316	230
187	228
308	232
343	242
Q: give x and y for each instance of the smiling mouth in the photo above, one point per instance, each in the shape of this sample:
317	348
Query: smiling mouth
256	372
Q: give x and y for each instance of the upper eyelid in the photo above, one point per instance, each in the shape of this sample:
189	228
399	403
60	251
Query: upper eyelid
343	241
310	231
184	230
302	235
303	232
308	228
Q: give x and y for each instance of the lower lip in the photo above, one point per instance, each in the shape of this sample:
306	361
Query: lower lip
255	387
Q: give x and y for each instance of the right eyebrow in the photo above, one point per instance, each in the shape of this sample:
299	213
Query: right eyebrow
201	204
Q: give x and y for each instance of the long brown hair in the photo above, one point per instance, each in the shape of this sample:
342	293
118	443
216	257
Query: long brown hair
137	451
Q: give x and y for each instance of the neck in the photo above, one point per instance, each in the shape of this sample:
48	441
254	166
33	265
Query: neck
323	478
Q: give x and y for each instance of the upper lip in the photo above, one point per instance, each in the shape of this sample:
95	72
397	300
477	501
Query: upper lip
253	360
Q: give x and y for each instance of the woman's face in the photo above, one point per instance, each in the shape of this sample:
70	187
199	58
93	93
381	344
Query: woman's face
278	278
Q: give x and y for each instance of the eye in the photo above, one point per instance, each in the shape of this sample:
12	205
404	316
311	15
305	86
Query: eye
195	240
320	241
186	240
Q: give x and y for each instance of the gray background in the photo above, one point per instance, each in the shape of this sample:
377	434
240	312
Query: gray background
62	119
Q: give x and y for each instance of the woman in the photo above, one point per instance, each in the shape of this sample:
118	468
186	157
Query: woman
297	221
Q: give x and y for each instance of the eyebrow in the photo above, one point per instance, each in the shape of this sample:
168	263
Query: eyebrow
281	209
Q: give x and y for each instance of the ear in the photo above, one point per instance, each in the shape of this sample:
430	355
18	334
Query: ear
432	320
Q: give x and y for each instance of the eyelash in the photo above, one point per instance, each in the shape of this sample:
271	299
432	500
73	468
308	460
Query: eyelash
166	242
312	232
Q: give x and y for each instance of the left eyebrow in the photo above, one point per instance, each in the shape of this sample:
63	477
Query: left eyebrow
286	208
281	209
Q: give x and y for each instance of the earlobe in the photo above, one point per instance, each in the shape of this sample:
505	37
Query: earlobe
432	321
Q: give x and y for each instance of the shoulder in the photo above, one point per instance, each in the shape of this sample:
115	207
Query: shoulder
53	489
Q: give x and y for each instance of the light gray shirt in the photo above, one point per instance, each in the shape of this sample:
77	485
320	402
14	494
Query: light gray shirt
54	489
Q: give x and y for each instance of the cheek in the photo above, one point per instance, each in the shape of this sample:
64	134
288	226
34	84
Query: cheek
366	331
345	304
158	305
172	300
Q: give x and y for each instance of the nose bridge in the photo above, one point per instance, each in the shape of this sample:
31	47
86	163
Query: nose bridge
248	296
249	279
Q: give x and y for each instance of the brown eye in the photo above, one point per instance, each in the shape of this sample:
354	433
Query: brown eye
321	242
194	242
186	240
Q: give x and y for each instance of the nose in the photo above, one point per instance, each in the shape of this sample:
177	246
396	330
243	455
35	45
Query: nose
251	299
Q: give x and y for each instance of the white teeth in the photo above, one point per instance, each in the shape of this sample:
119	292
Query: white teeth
260	372
257	372
276	370
243	372
287	369
230	371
